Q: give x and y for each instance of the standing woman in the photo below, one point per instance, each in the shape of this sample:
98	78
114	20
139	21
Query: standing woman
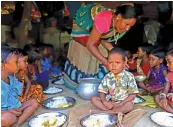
94	25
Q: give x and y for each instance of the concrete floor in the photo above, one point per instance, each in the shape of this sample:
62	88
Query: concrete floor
143	122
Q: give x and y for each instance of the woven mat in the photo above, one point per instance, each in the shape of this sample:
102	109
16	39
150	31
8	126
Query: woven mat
79	111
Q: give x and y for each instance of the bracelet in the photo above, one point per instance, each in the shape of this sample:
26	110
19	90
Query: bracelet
162	95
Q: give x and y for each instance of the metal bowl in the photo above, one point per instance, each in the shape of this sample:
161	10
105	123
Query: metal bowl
88	87
53	99
140	78
38	120
50	93
159	124
112	119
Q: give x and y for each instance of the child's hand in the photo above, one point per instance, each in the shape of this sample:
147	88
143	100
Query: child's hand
149	88
16	112
163	103
108	105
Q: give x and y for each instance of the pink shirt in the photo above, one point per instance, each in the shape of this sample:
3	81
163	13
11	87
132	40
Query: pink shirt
102	21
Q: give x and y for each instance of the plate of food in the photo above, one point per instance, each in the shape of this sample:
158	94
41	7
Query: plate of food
59	103
58	82
138	100
162	119
99	120
53	90
140	78
55	119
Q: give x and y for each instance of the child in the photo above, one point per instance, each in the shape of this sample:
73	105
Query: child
118	88
155	81
46	64
131	61
29	91
35	71
165	99
142	61
13	112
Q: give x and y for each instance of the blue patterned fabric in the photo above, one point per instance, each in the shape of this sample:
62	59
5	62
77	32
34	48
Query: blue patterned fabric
75	74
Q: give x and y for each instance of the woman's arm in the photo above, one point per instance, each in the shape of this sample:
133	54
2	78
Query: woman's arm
93	43
107	45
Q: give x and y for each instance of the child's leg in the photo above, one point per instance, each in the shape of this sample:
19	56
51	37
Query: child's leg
96	101
168	108
124	109
8	119
28	108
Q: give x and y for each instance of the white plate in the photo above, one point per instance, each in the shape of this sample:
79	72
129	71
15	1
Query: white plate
53	90
59	82
58	119
99	120
163	119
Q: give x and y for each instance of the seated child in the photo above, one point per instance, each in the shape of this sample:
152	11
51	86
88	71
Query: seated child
35	71
131	61
118	88
13	112
46	64
30	91
155	81
142	61
165	99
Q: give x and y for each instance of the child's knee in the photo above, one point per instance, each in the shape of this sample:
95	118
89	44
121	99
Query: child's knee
8	119
130	106
34	103
93	99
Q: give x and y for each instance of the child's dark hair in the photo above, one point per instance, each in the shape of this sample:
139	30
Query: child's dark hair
29	47
127	11
118	51
42	47
22	52
6	51
33	56
158	52
170	49
49	45
146	47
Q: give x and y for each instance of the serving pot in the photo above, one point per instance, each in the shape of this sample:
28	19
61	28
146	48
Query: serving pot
88	87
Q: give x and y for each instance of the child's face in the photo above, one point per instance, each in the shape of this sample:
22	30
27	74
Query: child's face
45	52
12	64
140	53
50	50
169	60
23	62
116	63
154	60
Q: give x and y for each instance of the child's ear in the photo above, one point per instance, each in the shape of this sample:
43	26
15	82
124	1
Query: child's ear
2	66
161	60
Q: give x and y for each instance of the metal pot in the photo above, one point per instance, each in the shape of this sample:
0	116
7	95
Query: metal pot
88	87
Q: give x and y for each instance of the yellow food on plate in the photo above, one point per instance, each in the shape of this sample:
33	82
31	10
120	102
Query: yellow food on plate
64	105
50	122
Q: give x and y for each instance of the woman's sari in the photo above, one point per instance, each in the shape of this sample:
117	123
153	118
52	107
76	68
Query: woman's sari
80	61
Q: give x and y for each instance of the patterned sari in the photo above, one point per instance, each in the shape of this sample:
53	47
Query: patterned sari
80	61
35	92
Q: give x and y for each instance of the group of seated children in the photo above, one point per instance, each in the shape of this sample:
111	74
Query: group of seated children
23	79
119	87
